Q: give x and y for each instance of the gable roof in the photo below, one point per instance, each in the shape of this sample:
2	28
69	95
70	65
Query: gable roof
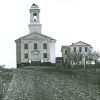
80	43
31	34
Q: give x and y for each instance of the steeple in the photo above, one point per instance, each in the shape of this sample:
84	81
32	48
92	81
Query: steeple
34	26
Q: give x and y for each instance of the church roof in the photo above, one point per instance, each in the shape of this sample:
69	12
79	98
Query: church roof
31	34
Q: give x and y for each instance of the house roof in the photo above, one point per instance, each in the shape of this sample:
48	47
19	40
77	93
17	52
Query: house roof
80	43
39	34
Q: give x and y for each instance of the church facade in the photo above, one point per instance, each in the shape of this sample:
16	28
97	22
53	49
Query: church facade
35	48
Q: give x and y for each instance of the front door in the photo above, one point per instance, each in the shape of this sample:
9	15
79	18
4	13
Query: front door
35	57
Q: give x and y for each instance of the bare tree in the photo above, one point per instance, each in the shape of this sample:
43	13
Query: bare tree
76	58
92	56
96	57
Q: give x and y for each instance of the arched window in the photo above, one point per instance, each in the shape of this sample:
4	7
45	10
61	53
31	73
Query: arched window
25	46
35	45
35	17
35	14
44	46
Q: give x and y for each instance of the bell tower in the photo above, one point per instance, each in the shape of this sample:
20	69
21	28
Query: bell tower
34	26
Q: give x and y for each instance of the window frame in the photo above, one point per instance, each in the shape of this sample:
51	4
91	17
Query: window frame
34	16
66	51
26	55
86	49
35	46
45	55
74	49
80	49
44	45
26	46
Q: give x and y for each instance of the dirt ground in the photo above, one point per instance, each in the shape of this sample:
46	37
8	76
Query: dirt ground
43	83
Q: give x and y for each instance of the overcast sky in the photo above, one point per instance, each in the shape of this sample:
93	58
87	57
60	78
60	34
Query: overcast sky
67	21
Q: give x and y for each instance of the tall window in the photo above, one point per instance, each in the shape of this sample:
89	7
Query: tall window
44	55
86	49
25	46
65	52
44	46
26	55
35	17
80	49
74	49
35	45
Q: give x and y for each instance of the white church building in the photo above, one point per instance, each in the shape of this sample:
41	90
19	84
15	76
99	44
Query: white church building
35	48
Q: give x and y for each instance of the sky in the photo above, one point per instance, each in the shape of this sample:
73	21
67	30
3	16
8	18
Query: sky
68	21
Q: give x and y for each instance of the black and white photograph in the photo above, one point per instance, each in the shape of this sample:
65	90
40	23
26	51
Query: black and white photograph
50	50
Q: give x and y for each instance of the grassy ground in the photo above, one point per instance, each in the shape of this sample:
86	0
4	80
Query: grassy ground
5	79
42	83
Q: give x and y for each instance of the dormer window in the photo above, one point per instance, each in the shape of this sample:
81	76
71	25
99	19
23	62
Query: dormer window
34	16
